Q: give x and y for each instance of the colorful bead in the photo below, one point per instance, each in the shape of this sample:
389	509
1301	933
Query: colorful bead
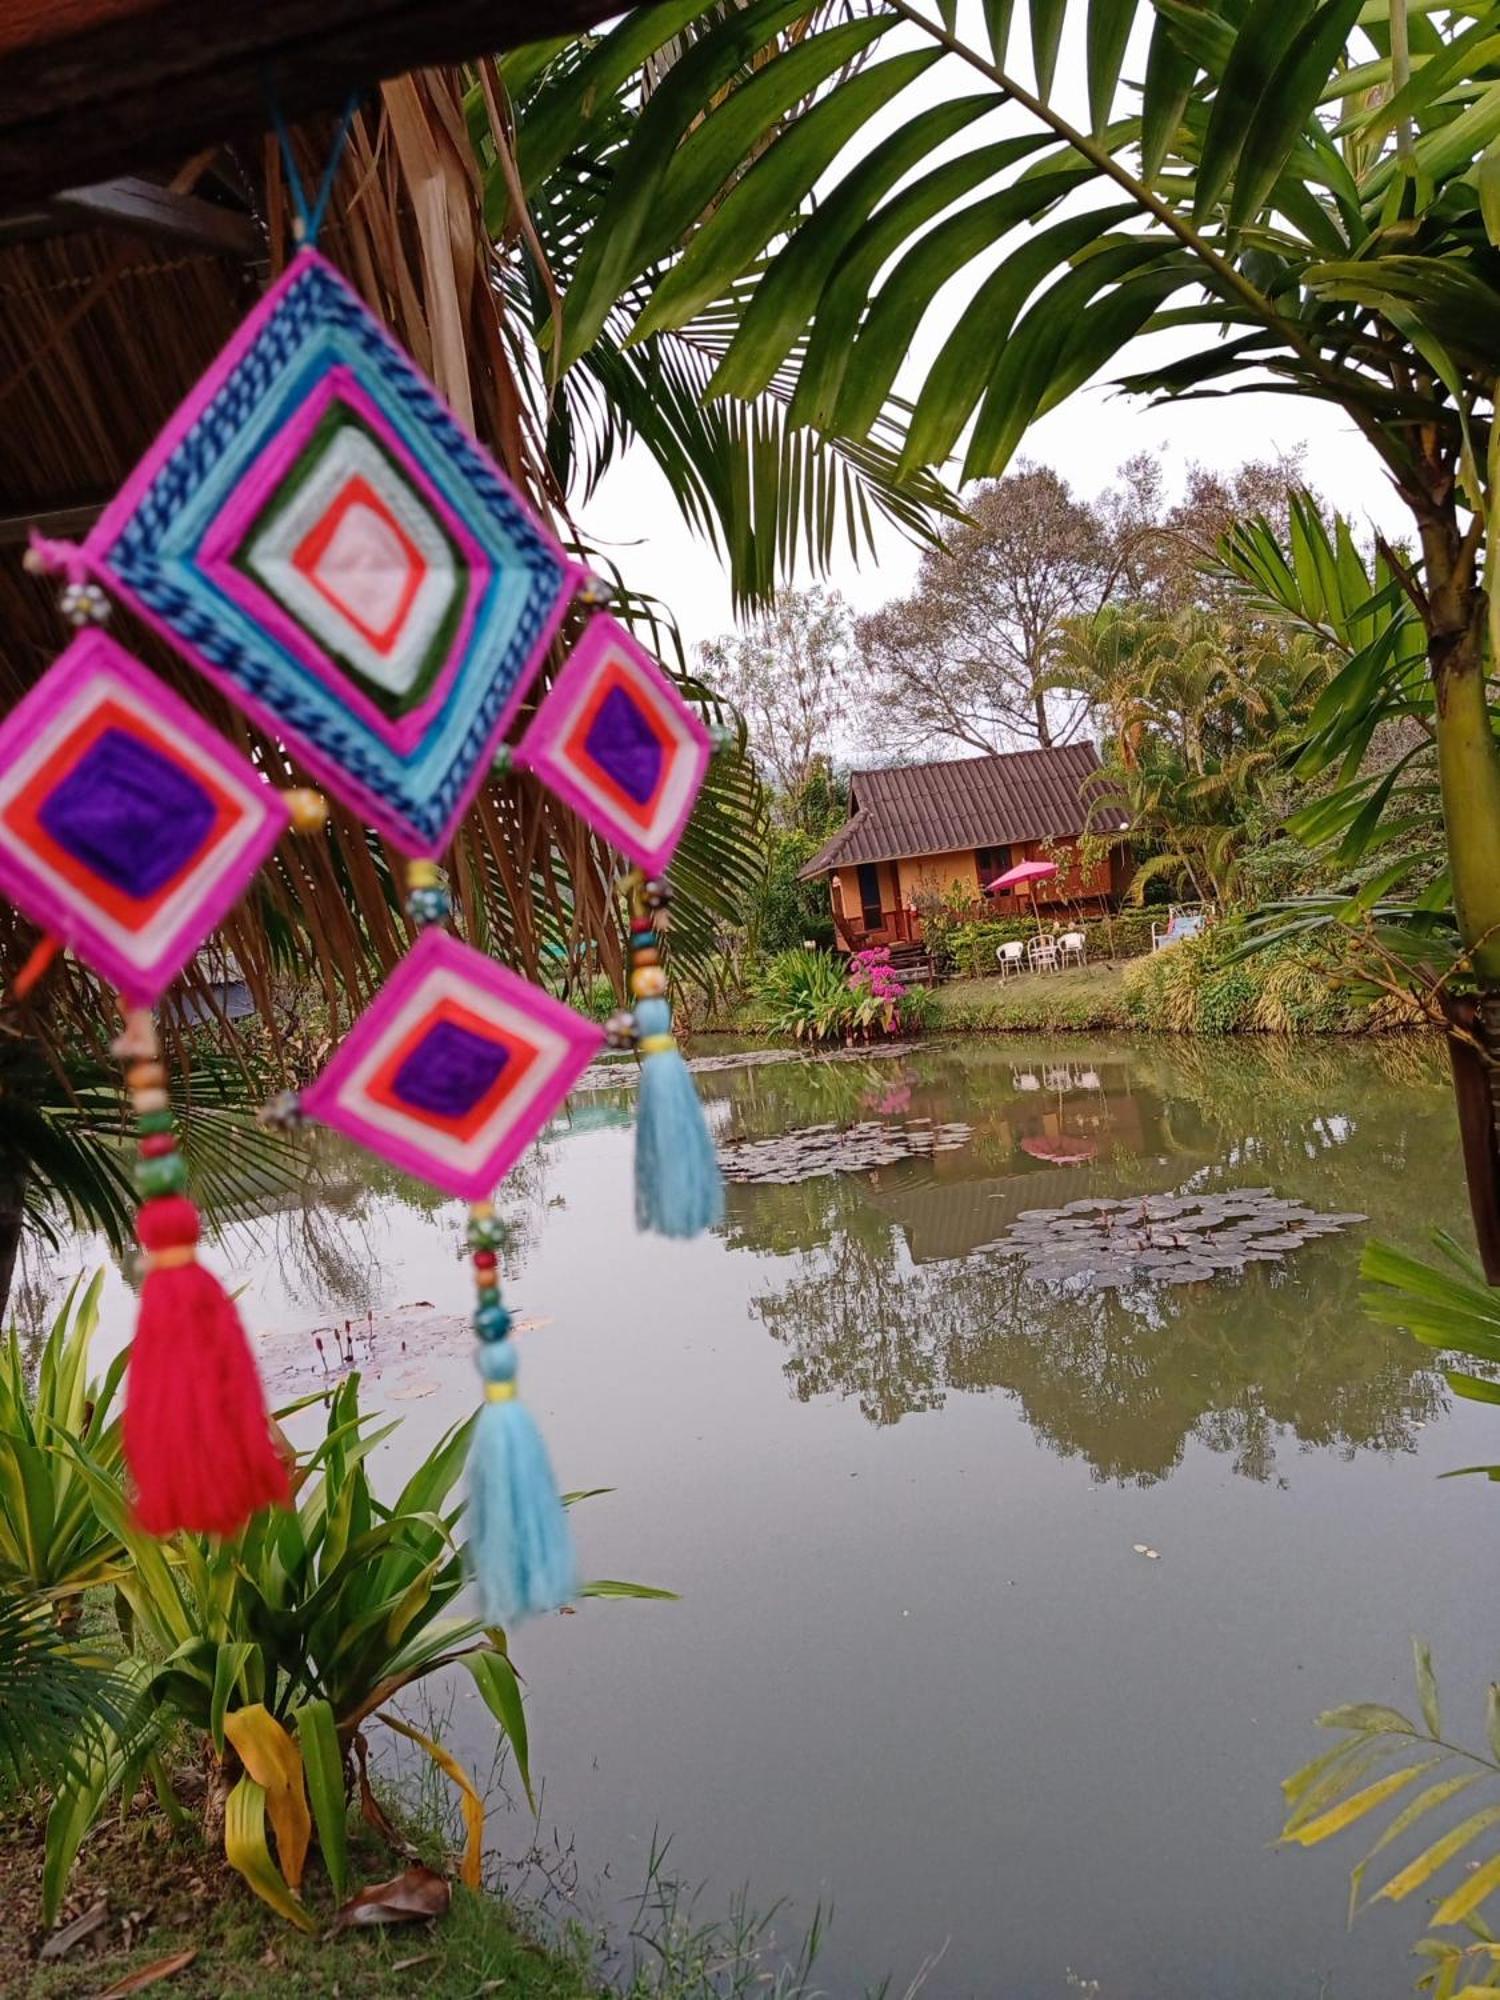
309	809
643	940
145	1076
650	983
137	1037
484	1260
422	874
153	1121
647	957
656	894
487	1281
147	1101
486	1232
619	1029
156	1145
491	1320
167	1175
429	905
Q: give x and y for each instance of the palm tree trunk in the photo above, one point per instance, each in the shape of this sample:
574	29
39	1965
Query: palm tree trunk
1469	781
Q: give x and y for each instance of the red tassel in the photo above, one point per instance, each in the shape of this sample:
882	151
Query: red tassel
197	1438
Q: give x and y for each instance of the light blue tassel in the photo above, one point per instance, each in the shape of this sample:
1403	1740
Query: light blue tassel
520	1544
678	1188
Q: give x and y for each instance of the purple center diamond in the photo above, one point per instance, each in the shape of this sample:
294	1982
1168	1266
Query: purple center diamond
622	743
449	1071
131	815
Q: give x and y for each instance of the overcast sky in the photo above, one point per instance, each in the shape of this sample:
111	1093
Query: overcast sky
634	518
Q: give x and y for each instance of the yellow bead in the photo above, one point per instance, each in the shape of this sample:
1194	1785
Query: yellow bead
649	983
422	874
481	1210
309	809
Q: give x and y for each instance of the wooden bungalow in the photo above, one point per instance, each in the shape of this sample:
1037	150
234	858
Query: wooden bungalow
925	830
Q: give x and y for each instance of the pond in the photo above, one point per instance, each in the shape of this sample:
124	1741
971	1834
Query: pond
1007	1597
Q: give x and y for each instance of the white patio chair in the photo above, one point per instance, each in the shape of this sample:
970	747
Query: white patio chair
1041	954
1011	959
1024	1080
1073	947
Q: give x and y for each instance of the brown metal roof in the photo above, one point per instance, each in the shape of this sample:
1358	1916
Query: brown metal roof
997	801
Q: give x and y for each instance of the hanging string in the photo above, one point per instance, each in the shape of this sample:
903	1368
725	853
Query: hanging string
310	219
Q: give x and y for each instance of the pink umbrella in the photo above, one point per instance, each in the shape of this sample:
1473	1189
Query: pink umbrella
1024	871
1061	1150
1025	875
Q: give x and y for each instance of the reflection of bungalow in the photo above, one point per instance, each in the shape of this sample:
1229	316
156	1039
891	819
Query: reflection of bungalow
920	829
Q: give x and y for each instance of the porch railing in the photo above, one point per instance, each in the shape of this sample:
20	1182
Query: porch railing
899	926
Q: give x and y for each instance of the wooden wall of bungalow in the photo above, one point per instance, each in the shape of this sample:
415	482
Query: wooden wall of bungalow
879	902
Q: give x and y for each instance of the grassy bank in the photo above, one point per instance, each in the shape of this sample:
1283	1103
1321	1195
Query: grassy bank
167	1892
1198	987
1083	997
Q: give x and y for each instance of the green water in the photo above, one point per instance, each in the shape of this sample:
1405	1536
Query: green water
919	1669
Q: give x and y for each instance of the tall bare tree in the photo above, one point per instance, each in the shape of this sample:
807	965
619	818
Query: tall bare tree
959	660
789	673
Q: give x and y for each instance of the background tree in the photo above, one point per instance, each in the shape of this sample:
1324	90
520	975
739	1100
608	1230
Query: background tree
788	672
1194	711
966	659
960	661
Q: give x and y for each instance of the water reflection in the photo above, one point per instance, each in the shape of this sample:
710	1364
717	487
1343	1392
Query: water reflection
896	1299
916	1668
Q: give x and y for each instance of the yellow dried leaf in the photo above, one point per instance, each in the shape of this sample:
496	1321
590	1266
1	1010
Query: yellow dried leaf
275	1763
469	1799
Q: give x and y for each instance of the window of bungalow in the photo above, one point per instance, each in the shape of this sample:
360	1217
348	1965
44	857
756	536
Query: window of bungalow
869	894
991	861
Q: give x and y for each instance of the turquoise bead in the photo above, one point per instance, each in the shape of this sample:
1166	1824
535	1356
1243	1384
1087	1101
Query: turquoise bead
429	905
497	1362
492	1321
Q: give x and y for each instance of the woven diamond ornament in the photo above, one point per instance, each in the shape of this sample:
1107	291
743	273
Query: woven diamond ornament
616	740
317	533
454	1067
128	827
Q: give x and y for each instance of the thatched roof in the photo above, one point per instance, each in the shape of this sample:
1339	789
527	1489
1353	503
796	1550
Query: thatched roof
103	87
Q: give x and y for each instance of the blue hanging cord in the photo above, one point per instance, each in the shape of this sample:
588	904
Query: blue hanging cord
310	220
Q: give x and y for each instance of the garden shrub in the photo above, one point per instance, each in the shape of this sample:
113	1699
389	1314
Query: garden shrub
1199	987
966	944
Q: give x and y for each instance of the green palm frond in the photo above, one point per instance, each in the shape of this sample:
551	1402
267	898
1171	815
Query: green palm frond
55	1696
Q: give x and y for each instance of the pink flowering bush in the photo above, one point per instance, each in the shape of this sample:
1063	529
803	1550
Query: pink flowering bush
878	989
813	996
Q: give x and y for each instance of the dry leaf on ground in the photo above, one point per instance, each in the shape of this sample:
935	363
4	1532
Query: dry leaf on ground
137	1982
61	1942
417	1891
